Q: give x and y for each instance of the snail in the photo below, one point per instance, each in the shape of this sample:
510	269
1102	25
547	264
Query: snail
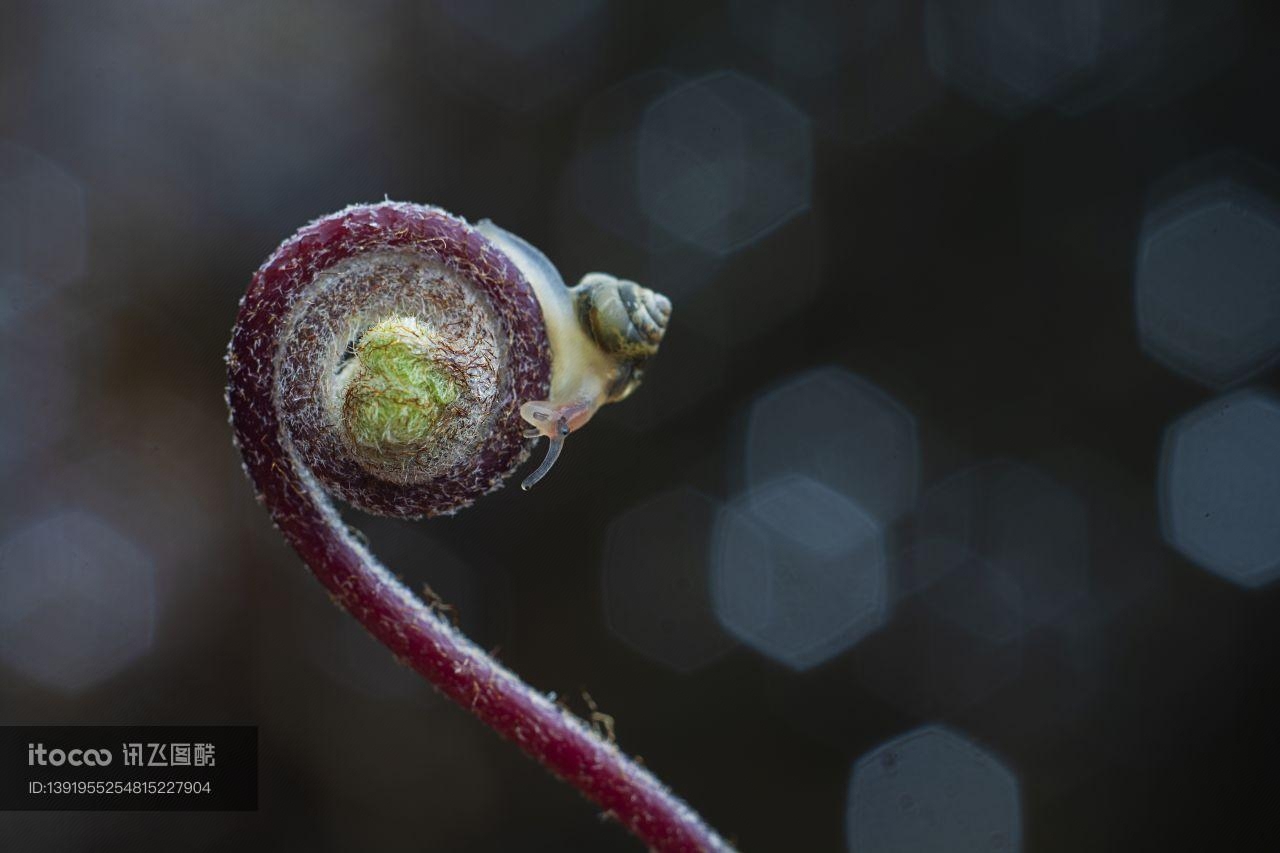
423	354
396	357
602	332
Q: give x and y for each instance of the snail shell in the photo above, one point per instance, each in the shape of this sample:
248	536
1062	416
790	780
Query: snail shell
626	321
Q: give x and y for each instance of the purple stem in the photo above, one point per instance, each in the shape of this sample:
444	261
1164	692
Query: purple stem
406	625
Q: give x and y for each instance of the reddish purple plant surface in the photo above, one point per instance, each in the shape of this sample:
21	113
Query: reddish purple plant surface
280	339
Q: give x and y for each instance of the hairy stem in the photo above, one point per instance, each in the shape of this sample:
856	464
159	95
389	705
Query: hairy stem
467	675
406	625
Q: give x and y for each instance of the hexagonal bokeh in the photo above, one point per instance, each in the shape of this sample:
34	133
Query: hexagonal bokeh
601	176
1207	287
1011	55
857	68
798	571
933	790
654	580
722	160
77	601
971	593
1220	487
839	429
1008	54
1001	546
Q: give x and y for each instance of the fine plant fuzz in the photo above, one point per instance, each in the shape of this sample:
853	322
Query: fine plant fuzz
394	390
395	357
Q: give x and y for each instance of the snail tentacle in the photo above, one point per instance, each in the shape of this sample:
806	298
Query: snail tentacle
554	445
381	355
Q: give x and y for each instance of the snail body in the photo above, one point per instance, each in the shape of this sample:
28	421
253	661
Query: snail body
601	333
416	349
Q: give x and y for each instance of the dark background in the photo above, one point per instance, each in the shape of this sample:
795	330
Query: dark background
948	203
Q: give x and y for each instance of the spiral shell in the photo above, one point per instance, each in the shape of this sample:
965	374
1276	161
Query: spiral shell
624	319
